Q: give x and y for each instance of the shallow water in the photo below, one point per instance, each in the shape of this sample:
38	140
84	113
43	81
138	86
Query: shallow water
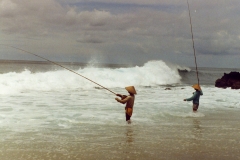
54	115
89	124
177	138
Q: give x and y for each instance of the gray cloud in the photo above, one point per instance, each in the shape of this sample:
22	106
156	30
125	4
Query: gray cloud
89	39
148	30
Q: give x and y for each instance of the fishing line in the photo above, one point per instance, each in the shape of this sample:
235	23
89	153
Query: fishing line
58	65
193	42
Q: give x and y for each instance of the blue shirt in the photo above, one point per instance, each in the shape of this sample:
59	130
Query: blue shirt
195	97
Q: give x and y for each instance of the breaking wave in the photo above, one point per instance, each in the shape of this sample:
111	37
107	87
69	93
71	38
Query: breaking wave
152	73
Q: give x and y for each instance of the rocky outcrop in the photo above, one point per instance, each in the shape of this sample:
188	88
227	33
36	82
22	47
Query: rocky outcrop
168	89
229	80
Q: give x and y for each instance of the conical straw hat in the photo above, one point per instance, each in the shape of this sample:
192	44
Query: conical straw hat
131	89
196	86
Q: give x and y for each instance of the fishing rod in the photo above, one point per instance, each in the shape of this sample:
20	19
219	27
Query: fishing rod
193	42
58	65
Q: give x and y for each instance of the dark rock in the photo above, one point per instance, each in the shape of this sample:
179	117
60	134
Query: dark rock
229	80
167	88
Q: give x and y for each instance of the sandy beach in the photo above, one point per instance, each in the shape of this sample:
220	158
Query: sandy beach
215	136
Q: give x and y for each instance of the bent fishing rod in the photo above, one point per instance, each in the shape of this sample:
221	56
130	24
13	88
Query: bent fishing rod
58	65
193	41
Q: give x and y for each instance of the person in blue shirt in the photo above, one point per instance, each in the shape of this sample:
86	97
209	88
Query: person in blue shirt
195	98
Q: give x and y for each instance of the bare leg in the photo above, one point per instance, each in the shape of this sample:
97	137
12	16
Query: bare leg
195	107
129	122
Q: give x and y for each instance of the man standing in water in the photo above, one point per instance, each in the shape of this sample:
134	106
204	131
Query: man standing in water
195	97
129	100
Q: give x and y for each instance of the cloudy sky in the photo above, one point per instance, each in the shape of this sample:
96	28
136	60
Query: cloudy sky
122	31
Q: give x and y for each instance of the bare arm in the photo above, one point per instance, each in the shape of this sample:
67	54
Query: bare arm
119	95
123	101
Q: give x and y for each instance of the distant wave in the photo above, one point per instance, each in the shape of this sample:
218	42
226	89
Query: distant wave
152	73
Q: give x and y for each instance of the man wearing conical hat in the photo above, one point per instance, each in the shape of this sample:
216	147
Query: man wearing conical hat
129	100
196	96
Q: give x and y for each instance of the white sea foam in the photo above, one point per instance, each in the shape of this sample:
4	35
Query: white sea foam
186	114
59	99
151	74
35	110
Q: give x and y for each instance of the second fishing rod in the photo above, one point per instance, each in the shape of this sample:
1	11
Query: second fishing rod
189	13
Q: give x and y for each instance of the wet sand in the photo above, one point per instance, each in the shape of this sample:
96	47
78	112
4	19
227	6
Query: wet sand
214	136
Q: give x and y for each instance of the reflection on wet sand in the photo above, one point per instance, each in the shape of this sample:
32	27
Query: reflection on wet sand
129	142
197	130
129	135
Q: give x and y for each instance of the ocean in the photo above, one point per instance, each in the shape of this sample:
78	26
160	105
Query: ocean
49	113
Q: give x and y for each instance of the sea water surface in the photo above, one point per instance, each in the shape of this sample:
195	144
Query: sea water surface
50	113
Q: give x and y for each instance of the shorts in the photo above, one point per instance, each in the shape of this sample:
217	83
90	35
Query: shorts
195	107
127	117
